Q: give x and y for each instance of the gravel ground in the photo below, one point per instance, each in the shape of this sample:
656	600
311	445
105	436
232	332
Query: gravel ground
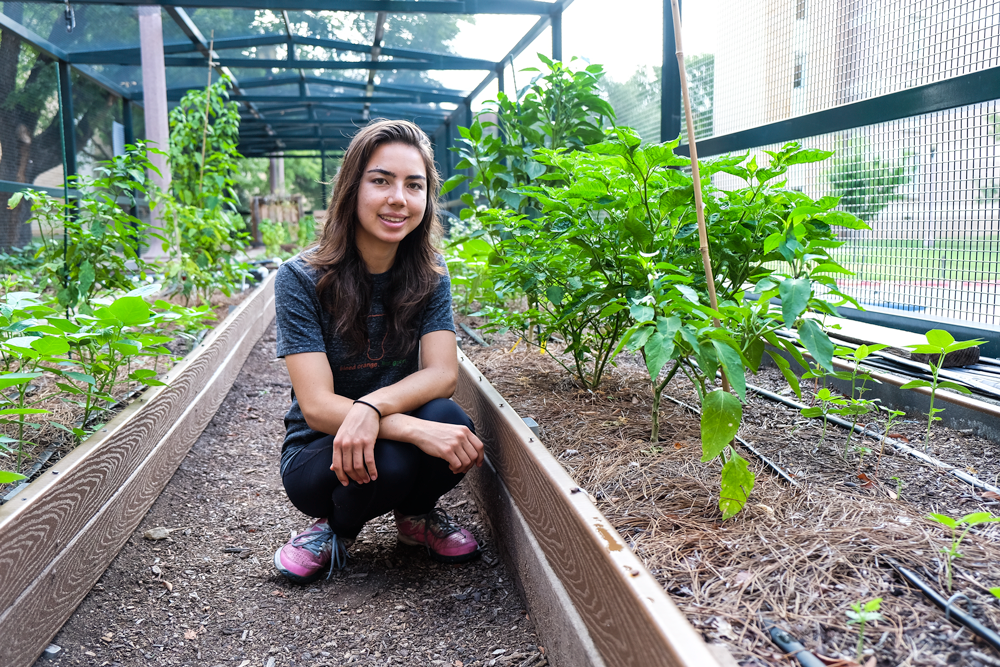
208	594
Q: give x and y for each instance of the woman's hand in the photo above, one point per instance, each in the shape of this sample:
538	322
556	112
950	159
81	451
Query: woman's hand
455	444
354	446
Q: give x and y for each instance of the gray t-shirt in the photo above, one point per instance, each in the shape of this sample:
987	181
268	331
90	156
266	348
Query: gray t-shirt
304	325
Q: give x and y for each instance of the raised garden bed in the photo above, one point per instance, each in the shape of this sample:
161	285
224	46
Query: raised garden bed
796	556
60	532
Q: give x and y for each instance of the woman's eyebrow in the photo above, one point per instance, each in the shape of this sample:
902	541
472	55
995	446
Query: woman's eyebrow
386	172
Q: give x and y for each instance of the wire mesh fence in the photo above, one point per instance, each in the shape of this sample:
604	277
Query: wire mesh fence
928	184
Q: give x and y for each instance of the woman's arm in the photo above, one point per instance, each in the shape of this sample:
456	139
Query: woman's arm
356	426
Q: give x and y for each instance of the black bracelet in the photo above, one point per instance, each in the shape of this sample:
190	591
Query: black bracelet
370	406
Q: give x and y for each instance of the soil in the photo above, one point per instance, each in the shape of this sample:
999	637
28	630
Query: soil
798	557
209	595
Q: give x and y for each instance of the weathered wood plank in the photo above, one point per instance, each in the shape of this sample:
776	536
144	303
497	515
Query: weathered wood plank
559	626
40	522
42	608
629	617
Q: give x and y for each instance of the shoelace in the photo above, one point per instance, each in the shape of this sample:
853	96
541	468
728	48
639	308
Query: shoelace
314	542
443	521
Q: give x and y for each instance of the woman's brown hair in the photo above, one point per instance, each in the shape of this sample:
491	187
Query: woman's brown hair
344	285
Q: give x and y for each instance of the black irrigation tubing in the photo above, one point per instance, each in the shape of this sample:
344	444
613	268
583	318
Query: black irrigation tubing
30	474
763	459
472	334
792	646
843	423
950	610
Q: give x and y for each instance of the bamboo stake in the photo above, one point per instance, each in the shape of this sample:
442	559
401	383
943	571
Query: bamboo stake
706	258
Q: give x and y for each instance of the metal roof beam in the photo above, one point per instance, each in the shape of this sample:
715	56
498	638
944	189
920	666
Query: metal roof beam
132	59
528	7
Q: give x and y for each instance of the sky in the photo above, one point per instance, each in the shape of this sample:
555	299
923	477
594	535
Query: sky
600	31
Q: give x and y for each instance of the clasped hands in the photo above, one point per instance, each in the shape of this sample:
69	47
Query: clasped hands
354	444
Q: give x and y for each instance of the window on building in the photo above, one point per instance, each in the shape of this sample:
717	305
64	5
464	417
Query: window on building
798	75
800	10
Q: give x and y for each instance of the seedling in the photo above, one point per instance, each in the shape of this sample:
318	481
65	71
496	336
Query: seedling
861	614
899	486
968	521
996	592
893	414
939	343
828	402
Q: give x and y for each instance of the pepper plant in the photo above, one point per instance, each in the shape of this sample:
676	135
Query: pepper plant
93	242
964	525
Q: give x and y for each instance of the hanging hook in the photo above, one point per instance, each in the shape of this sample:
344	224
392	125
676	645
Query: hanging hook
70	17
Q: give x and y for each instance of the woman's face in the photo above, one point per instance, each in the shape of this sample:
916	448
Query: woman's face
391	201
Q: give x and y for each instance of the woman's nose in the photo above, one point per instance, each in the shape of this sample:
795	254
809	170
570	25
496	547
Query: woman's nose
396	194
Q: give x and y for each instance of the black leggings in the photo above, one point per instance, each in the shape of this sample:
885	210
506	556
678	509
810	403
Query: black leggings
409	480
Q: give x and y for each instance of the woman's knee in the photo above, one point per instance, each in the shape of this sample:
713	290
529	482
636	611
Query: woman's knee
444	411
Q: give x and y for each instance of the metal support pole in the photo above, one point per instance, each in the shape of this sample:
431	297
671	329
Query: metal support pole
446	158
557	36
670	81
129	131
468	113
128	122
500	81
322	172
68	119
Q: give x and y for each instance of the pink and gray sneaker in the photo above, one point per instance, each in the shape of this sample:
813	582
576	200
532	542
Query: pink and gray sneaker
445	540
304	557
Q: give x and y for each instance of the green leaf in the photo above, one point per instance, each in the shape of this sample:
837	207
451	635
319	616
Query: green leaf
771	242
795	293
733	367
943	519
736	486
50	346
659	347
914	384
640	312
962	389
817	342
786	370
6	477
721	414
939	338
977	518
79	377
23	411
453	183
86	278
131	310
555	294
814	411
14	379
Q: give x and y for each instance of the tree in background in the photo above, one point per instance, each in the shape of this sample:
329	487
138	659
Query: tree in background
637	100
865	181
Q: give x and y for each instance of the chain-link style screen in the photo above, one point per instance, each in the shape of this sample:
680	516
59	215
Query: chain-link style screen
929	188
30	131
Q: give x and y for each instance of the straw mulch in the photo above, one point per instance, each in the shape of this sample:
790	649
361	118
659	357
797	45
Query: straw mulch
796	557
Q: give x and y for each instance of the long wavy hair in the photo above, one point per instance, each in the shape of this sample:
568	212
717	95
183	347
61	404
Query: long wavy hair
344	285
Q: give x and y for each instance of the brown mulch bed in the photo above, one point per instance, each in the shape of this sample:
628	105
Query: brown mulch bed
226	605
795	556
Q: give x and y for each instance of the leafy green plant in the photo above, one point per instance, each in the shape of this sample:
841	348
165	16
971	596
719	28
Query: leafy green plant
862	614
204	231
956	525
939	343
559	109
273	234
892	416
92	242
855	405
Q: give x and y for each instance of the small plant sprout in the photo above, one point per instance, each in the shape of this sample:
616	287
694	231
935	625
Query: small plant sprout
996	592
861	614
939	344
899	486
828	402
893	415
967	521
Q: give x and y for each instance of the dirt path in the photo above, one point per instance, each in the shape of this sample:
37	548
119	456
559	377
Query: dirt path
209	595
